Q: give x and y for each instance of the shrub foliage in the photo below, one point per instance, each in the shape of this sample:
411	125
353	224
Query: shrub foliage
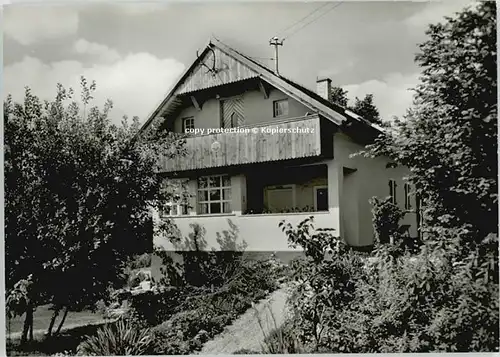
117	339
443	297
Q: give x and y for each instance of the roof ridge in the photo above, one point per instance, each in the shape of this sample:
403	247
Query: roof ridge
249	58
336	112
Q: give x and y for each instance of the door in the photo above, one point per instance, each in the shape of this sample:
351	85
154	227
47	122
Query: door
232	112
321	198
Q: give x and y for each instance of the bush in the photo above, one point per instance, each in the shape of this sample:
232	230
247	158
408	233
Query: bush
183	333
140	261
211	289
206	268
386	218
120	339
281	340
154	307
205	313
246	352
432	301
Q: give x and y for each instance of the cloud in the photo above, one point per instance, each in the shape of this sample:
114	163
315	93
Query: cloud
102	52
134	8
135	83
434	12
28	24
392	96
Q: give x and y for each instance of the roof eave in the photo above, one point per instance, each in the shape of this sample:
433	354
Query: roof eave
181	78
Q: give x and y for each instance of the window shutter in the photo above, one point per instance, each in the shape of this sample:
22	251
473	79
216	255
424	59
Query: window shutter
406	196
392	190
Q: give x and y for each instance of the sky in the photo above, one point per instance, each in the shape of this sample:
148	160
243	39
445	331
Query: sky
136	52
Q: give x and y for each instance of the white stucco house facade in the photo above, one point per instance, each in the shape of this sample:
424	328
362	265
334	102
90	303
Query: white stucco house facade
262	148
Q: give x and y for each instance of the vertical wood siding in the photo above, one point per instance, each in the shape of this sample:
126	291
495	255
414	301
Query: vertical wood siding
228	70
251	147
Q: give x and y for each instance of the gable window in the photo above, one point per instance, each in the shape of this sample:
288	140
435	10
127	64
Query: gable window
392	191
187	124
214	194
280	108
407	188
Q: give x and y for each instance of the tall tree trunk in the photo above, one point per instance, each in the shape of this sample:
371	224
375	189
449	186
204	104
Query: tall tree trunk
28	323
53	321
24	336
62	321
31	327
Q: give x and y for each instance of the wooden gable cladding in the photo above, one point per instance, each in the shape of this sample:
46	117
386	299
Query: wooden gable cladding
216	68
257	145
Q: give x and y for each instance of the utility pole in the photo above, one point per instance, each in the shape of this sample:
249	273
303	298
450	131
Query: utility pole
276	42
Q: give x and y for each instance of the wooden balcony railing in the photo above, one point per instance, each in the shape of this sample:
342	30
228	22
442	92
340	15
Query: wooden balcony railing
279	140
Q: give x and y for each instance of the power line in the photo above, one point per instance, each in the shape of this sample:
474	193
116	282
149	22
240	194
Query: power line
314	19
303	18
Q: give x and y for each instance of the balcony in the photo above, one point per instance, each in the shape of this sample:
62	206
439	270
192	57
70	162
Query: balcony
295	138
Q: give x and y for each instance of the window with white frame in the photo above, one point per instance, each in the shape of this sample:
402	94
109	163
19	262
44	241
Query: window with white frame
407	189
280	107
187	124
174	209
178	204
392	191
214	194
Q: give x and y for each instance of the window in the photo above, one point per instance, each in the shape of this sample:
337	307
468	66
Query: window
280	108
392	191
174	209
407	188
179	203
187	124
214	194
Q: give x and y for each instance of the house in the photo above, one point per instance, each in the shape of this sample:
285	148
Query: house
262	149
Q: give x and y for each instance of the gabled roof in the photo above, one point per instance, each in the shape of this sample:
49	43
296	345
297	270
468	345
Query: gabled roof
331	111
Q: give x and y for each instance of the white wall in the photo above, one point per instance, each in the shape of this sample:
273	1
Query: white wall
260	232
371	179
256	110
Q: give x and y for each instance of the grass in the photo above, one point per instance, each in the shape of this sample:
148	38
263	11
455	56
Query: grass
67	340
278	339
76	326
42	316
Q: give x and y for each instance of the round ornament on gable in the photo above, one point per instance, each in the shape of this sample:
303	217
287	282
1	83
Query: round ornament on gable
215	146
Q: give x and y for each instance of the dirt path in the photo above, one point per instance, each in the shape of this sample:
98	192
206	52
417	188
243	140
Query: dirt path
245	332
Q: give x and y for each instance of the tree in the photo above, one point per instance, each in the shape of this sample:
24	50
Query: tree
79	192
339	96
449	137
444	294
449	143
362	107
366	109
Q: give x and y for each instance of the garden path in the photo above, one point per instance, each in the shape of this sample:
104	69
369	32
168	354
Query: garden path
245	332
